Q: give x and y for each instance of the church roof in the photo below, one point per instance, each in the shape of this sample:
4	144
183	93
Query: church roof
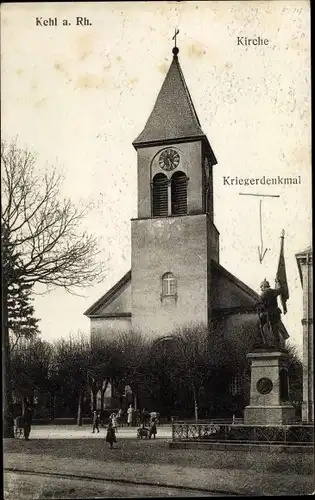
217	269
173	117
109	296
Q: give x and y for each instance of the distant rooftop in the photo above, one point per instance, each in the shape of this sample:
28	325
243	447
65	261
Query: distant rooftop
307	250
302	257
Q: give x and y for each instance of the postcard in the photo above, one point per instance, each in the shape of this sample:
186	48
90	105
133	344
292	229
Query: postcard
157	255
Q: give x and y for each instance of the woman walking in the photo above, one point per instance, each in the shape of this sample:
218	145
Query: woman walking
111	436
129	415
153	429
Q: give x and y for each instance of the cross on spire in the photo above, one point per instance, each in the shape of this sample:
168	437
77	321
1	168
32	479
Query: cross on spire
175	49
174	37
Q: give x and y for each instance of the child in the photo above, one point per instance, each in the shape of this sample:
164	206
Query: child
110	436
153	429
113	419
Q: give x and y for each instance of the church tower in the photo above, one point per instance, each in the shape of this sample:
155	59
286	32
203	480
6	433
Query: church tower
174	238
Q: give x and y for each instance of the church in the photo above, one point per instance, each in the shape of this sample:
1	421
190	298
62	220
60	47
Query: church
176	278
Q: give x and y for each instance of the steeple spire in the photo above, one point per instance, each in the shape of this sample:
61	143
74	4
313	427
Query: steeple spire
173	118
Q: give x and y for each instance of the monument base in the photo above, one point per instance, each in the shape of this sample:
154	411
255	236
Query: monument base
272	415
269	402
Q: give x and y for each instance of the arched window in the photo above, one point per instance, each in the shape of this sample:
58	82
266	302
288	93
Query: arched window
160	196
179	193
163	347
168	284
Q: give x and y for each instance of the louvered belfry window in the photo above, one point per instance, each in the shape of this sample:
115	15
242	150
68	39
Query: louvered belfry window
179	194
160	196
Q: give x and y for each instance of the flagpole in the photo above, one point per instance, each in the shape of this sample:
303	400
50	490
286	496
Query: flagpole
281	275
280	253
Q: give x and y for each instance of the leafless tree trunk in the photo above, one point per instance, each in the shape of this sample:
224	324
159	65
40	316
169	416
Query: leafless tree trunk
195	401
94	397
52	406
79	415
8	427
23	404
103	390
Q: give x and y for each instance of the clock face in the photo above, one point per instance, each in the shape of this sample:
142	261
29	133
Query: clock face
264	385
169	159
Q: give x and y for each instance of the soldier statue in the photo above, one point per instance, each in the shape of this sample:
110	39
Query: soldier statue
270	316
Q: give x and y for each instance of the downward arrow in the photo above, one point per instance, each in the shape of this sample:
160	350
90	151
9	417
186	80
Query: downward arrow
262	252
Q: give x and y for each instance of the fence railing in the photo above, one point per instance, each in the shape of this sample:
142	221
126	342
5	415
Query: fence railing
227	421
223	432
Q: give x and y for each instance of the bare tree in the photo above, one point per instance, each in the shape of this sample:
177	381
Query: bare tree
105	365
42	227
71	361
192	345
201	357
295	372
83	368
135	352
30	368
41	240
120	359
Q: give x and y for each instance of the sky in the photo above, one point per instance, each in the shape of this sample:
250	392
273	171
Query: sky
79	95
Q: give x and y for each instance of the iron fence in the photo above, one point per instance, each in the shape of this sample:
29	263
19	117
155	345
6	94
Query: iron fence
238	432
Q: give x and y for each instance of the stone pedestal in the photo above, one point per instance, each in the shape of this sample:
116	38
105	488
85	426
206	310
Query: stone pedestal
269	389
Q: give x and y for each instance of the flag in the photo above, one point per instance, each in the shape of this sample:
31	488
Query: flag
282	278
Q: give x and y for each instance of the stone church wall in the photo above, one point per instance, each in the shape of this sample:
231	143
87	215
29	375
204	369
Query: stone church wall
108	327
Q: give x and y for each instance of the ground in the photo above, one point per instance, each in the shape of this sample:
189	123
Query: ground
27	486
71	462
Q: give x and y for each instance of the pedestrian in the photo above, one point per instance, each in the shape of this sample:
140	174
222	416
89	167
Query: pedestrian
96	421
153	415
110	436
102	418
145	417
119	417
129	415
27	420
153	429
113	419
